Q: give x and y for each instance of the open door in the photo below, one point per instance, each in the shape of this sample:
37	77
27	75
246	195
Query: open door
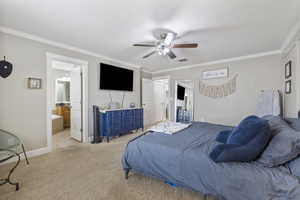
160	89
147	101
76	103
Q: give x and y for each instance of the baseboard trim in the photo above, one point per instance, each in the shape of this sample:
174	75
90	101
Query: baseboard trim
33	153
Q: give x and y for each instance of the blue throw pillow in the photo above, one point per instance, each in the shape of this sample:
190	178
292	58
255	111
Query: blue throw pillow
223	136
245	143
294	167
246	130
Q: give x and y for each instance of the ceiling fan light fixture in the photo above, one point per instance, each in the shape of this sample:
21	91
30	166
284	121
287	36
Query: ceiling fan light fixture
163	51
166	51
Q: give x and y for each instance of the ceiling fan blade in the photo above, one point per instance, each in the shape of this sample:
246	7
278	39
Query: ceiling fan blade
144	45
191	45
149	54
171	54
168	38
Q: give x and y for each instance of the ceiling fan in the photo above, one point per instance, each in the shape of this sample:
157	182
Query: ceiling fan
165	45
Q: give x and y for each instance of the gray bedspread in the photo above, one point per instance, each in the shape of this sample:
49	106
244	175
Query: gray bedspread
183	159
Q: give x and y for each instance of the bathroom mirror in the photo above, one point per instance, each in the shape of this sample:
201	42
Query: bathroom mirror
184	101
62	91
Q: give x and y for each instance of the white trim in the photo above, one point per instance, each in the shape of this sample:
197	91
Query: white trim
221	61
144	70
30	154
297	71
161	77
17	33
84	67
21	34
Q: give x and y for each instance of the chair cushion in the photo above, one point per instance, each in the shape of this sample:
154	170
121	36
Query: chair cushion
284	146
245	143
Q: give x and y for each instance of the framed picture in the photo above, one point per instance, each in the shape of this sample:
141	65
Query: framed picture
288	69
288	86
34	83
219	73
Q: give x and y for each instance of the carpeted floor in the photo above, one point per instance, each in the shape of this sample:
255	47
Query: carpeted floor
87	172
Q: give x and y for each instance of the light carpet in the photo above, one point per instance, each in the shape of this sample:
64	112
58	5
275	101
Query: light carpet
87	172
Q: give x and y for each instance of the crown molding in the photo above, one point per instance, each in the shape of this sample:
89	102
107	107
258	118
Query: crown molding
269	53
21	34
144	70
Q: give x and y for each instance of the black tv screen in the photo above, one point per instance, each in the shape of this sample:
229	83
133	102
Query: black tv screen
115	78
180	92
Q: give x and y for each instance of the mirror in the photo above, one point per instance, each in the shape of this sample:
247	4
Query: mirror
62	91
184	101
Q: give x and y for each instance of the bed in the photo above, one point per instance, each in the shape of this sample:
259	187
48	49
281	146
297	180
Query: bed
183	160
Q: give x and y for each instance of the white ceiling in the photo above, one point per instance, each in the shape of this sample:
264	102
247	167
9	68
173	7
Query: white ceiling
223	29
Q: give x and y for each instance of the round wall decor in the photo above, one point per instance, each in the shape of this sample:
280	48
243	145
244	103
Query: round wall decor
5	68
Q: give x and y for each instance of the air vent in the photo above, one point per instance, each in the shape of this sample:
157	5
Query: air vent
182	60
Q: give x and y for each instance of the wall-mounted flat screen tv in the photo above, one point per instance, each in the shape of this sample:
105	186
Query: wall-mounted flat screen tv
115	78
180	92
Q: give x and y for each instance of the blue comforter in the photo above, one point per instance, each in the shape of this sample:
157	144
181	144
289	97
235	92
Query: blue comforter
183	159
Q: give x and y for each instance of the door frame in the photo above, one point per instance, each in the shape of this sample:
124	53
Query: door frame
142	99
84	69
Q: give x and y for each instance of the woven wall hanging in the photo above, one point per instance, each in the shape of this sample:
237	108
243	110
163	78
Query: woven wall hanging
218	91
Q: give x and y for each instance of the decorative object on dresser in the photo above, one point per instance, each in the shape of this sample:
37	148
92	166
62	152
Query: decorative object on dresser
132	105
117	122
34	83
5	68
288	69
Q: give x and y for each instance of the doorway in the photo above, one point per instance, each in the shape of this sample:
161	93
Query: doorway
66	101
161	100
184	101
155	100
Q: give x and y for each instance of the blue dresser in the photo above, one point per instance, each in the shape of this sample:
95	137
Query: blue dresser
118	122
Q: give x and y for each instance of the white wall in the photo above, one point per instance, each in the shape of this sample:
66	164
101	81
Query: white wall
23	111
292	100
254	75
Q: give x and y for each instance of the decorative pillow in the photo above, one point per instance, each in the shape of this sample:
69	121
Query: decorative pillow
294	167
294	123
223	135
245	143
284	146
247	130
